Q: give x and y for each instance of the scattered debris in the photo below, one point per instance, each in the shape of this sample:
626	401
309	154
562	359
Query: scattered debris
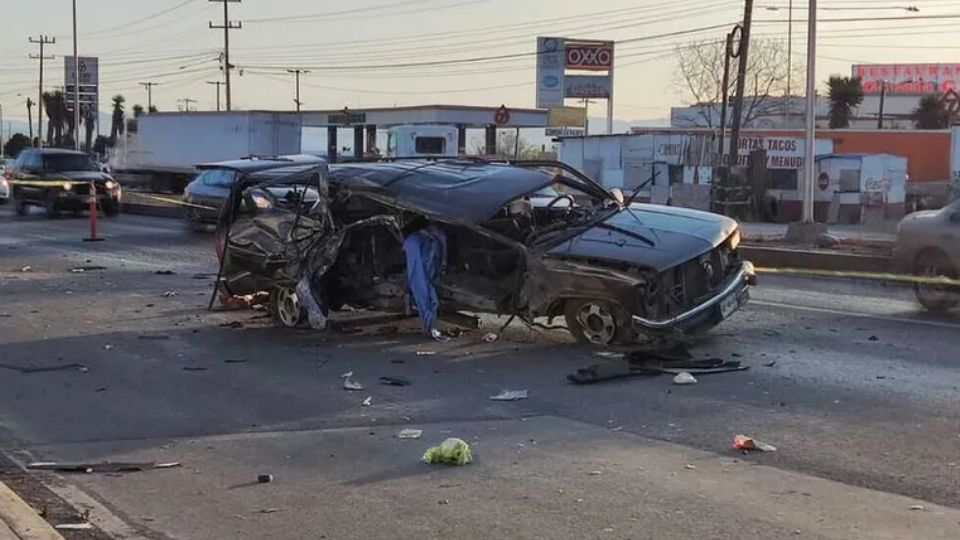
165	273
108	347
101	389
596	473
917	507
452	451
873	338
195	368
349	383
264	478
394	381
232	324
88	268
27	269
397	361
410	434
204	276
610	354
41	369
827	241
235	361
105	467
770	364
169	294
426	353
684	378
510	395
744	443
690	466
675	360
268	510
491	337
368	402
444	501
73	526
154	337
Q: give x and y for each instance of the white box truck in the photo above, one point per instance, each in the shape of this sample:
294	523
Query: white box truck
159	151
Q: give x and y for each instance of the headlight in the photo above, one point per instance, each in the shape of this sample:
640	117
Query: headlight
261	202
110	184
735	240
67	186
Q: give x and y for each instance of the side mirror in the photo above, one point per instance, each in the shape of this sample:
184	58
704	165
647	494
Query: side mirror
618	195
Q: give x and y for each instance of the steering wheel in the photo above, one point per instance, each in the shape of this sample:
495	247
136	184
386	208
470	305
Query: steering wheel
558	198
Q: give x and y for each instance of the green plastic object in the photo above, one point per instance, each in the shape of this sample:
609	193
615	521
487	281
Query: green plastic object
452	451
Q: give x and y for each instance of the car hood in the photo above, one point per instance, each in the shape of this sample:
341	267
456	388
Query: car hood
651	236
75	176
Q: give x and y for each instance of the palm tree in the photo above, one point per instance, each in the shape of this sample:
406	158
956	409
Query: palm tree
89	124
152	109
116	122
931	113
55	106
137	110
844	93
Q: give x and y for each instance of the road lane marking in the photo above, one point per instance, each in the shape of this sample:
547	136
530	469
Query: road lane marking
887	318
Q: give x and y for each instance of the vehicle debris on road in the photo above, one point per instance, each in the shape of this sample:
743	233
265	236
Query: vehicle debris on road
452	451
648	363
368	402
88	268
394	381
684	378
73	526
42	369
746	444
169	294
264	478
349	383
491	337
410	434
510	395
104	467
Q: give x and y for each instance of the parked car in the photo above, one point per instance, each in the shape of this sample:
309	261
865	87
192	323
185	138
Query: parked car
59	180
617	275
208	191
928	245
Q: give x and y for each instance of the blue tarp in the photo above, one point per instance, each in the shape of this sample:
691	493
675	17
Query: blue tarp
426	252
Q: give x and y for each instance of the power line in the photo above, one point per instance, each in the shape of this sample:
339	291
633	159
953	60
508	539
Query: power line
126	26
149	86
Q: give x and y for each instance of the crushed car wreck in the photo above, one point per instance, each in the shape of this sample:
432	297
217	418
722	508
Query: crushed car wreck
530	239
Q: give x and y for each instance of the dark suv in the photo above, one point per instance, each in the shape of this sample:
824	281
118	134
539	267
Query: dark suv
60	180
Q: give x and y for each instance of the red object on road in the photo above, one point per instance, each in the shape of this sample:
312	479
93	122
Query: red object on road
93	214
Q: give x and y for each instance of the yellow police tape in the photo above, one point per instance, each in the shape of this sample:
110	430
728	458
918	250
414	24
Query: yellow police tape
876	276
45	183
168	200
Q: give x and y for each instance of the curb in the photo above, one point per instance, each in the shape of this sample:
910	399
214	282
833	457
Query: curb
23	520
814	260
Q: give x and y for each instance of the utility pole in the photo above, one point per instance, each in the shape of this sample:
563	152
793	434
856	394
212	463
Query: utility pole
76	84
297	73
789	45
149	86
42	40
186	103
219	84
227	26
742	56
30	118
809	166
883	94
1	130
725	90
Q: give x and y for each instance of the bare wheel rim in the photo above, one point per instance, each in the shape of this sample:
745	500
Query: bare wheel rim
597	323
288	307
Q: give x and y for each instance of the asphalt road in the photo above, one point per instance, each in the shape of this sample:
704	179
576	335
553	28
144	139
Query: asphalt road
856	387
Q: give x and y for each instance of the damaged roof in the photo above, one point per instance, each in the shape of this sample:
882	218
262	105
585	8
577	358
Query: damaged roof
462	191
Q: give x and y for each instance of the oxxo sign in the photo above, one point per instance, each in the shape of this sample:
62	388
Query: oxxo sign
557	56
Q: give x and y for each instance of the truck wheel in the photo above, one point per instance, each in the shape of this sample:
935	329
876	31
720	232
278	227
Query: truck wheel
286	308
933	264
21	207
50	206
597	322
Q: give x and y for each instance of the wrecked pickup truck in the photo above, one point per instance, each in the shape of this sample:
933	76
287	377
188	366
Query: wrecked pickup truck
530	239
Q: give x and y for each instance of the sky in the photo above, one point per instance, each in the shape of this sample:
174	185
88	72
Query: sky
359	52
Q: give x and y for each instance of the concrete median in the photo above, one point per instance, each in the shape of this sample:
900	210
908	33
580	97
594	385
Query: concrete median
21	521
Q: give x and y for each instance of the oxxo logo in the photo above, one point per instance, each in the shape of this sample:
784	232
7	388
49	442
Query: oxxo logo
589	57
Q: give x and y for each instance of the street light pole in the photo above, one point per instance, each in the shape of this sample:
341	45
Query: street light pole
76	84
809	166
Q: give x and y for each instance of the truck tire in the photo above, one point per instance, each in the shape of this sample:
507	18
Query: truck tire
50	205
933	263
110	208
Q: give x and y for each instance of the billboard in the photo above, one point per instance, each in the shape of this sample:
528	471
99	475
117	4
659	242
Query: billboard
567	116
588	86
550	70
89	84
907	79
590	56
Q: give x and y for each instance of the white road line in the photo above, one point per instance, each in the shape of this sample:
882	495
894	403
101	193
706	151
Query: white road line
938	324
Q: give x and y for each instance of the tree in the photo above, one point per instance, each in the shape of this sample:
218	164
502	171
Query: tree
507	146
137	110
116	122
16	143
89	124
152	109
100	147
699	75
844	93
931	113
55	107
